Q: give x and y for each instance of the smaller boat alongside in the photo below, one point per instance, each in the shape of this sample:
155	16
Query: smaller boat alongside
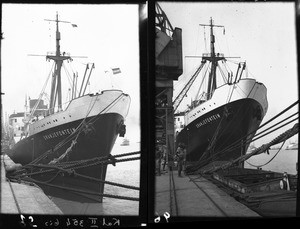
125	142
292	146
251	148
265	192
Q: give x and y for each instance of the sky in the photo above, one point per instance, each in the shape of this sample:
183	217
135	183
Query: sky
262	34
107	35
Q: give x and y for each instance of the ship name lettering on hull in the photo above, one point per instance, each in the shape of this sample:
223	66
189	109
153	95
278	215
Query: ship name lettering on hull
208	120
59	133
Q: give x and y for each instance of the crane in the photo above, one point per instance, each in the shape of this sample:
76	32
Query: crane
186	88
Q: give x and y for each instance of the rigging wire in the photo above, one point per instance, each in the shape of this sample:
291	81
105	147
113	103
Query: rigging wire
187	87
68	74
211	145
222	73
241	90
238	142
227	66
248	72
246	68
277	123
182	81
236	145
233	61
203	78
72	66
280	113
179	84
78	129
295	119
41	94
230	92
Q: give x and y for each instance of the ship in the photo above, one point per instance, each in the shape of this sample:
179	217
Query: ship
292	146
276	147
251	148
221	121
66	151
125	142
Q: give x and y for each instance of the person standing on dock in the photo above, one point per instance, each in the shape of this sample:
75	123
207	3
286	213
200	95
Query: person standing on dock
284	183
180	158
164	157
158	155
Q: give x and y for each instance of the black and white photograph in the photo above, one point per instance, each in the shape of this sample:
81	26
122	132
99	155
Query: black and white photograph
148	113
226	109
70	110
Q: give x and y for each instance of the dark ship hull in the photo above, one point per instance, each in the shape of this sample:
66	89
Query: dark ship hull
240	119
60	158
34	146
225	120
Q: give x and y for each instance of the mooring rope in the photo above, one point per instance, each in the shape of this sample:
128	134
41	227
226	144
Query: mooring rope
70	170
282	137
237	143
84	191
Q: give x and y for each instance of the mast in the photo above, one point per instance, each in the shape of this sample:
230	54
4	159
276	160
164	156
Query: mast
213	58
212	77
56	94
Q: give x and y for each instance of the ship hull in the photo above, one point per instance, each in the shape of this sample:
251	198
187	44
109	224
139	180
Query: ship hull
229	123
233	112
98	139
96	142
73	141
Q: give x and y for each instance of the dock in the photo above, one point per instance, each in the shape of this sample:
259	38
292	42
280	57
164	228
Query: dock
195	196
21	198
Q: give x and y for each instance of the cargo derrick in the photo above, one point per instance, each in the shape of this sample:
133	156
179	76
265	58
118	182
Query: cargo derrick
168	67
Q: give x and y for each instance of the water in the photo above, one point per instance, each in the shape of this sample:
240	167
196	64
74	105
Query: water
125	173
285	161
